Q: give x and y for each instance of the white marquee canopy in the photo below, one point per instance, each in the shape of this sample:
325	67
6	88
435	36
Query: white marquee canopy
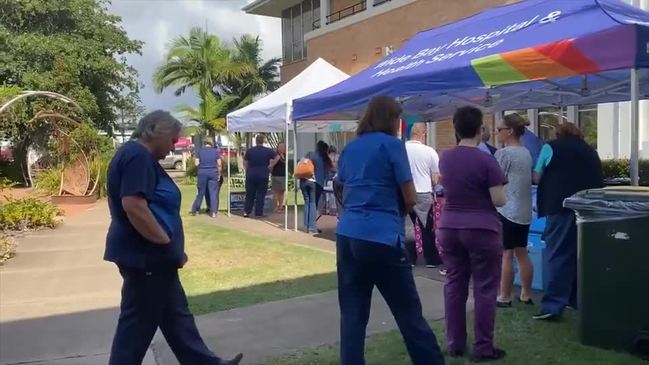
272	113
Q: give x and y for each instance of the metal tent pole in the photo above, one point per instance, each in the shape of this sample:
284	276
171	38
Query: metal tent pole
229	172
295	184
635	128
286	137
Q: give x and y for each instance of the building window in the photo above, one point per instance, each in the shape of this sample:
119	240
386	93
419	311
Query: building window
316	15
588	123
307	22
298	35
296	22
549	120
287	36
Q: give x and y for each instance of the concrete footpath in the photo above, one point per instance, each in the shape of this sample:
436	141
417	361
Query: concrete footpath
58	299
272	329
59	303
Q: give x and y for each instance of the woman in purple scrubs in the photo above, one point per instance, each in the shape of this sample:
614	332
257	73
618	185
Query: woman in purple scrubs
470	236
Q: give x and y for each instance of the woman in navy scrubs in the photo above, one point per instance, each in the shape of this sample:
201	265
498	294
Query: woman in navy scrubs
209	169
146	242
378	192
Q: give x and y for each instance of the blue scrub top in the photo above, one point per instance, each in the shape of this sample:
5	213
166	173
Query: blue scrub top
372	169
208	157
259	158
134	171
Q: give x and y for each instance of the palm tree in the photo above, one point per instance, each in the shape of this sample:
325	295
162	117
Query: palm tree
198	61
210	112
265	75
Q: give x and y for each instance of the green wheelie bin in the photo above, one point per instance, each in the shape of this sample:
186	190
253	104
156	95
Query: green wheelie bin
613	267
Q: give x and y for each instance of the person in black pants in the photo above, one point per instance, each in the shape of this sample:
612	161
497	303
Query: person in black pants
257	162
424	165
378	192
146	241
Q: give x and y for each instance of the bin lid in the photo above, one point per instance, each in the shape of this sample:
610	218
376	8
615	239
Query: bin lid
617	193
612	202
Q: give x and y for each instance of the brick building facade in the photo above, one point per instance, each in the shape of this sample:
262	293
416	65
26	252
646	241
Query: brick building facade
357	33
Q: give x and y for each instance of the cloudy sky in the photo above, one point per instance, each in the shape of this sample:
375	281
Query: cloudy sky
155	22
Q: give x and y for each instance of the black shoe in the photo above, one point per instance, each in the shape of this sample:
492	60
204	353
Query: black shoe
455	353
504	304
235	361
527	302
245	215
545	316
497	355
192	213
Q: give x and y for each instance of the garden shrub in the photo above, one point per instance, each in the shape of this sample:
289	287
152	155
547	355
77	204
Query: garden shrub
613	169
189	180
7	249
234	168
49	181
27	213
192	169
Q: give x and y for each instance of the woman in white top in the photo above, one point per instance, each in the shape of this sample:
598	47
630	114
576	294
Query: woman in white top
516	214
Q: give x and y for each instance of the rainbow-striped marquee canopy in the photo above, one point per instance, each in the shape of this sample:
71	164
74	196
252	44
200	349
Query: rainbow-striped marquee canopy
532	54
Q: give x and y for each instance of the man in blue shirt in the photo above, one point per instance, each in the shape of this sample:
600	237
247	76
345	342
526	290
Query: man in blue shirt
257	162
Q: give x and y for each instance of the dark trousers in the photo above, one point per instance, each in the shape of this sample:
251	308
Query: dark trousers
208	185
561	241
218	194
431	256
471	253
256	189
363	265
151	301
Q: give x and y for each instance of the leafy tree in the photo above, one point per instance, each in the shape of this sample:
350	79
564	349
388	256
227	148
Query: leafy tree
210	112
264	77
199	61
73	47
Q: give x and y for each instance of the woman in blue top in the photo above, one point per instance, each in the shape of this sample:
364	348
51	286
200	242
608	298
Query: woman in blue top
146	241
312	188
207	182
378	193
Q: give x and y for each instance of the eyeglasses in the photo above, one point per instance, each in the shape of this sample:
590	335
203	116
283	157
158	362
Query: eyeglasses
502	129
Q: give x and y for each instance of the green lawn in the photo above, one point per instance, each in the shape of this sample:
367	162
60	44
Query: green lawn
189	193
527	342
228	268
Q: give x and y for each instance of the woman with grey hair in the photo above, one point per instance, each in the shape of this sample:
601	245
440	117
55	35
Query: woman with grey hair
146	242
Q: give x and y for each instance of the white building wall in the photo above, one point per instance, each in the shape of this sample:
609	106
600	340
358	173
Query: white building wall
614	135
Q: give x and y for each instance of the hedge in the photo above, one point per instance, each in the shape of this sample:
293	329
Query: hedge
613	169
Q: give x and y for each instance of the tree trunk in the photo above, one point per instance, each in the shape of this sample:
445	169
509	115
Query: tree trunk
20	159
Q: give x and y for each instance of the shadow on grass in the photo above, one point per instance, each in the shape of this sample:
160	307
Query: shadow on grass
526	341
260	293
89	333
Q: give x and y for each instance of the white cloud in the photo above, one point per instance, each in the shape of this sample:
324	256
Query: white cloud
156	22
